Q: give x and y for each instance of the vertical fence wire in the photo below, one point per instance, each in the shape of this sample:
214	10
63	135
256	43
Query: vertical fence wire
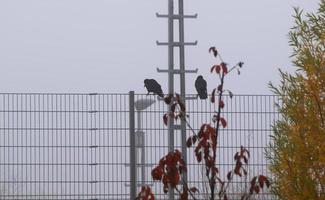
76	146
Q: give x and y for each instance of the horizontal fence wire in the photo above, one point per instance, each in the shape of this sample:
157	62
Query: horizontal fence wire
76	146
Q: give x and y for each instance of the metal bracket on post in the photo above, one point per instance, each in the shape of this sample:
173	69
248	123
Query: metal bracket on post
176	44
177	71
176	16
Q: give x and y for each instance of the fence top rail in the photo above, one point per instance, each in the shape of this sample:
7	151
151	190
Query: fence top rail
95	93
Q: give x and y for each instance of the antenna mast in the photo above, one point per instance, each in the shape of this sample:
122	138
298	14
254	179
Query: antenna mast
171	16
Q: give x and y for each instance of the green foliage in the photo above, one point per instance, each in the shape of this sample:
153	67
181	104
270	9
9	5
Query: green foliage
297	152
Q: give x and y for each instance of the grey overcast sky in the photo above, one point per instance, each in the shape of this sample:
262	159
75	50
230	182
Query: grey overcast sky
109	45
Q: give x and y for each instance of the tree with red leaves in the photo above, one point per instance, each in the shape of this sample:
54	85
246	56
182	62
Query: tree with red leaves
205	142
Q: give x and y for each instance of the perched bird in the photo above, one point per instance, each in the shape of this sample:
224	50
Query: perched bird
153	86
201	87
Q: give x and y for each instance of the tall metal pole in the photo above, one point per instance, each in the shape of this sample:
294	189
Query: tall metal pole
170	82
182	79
170	73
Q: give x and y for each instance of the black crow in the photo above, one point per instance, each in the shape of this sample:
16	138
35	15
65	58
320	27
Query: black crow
153	86
201	87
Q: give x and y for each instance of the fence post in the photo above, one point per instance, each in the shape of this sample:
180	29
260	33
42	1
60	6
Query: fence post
133	181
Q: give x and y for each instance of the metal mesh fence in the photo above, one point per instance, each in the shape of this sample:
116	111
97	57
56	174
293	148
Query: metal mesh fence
76	146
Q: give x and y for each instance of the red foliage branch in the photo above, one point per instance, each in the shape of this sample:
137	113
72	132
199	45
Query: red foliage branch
171	167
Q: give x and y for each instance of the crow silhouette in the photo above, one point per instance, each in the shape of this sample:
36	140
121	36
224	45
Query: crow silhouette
153	86
201	87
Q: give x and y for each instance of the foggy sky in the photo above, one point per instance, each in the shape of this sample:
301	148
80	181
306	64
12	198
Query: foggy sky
109	45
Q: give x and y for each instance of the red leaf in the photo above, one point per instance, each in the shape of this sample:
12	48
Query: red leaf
178	153
229	175
194	138
253	184
168	99
182	166
216	68
169	158
184	195
224	68
214	51
165	118
208	160
215	170
231	95
175	179
212	68
220	88
157	173
164	179
257	189
245	159
194	190
145	194
214	118
237	169
213	98
165	188
178	98
240	64
199	157
251	190
182	106
221	104
244	150
223	122
151	197
245	172
267	182
189	142
176	117
162	162
261	180
173	107
236	157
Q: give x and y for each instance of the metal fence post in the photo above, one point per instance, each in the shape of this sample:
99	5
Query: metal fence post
133	183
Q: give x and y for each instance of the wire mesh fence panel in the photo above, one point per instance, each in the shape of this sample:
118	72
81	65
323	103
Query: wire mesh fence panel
249	124
63	146
76	146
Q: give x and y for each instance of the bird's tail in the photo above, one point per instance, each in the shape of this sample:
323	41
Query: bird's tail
161	95
203	95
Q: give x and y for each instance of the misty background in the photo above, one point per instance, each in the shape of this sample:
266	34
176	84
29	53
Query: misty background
109	46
